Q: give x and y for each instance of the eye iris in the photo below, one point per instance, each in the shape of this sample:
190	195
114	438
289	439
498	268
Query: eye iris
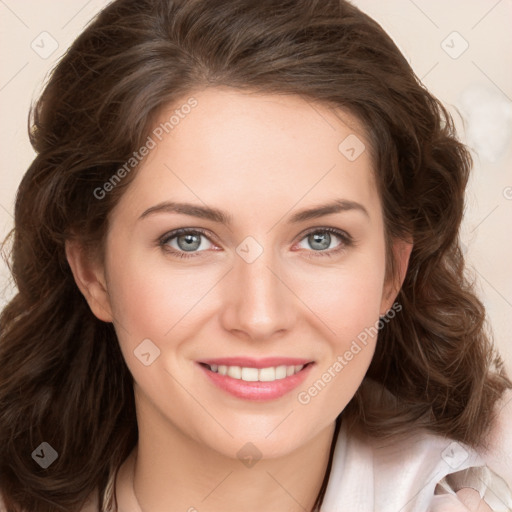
192	242
324	239
188	242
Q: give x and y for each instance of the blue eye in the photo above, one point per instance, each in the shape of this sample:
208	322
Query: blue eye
189	241
322	238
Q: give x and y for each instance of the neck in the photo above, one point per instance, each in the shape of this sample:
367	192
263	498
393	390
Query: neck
171	471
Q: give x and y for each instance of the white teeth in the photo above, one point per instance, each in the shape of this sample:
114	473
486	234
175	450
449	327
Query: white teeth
267	374
235	372
280	372
247	374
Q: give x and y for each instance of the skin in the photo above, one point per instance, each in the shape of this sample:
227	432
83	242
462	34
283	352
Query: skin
261	158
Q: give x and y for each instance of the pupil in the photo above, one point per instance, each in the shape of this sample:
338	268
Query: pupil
322	239
190	242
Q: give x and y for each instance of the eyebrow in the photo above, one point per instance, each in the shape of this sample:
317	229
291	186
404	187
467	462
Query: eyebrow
222	217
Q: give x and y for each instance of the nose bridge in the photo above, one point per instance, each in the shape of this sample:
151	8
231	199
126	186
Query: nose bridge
258	301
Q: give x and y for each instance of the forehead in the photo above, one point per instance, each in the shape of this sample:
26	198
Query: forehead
261	148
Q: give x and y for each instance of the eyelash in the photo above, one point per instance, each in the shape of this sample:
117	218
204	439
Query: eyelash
347	241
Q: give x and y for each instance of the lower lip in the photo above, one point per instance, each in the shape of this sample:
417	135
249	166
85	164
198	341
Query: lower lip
258	391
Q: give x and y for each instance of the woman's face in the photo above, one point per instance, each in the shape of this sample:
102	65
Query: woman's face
253	283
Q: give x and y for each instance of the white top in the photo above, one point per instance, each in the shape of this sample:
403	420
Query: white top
420	472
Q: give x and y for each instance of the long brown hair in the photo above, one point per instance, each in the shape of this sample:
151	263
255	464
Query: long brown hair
63	379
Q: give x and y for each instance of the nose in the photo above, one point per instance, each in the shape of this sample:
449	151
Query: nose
258	303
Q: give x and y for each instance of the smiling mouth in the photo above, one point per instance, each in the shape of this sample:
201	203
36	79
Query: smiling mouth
251	374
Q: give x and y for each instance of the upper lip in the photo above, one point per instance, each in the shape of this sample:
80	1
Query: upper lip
249	362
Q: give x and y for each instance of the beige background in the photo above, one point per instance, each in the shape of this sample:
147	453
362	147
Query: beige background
474	81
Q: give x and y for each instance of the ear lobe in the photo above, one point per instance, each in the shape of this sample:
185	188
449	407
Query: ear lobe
401	254
89	278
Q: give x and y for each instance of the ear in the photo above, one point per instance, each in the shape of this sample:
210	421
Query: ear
401	250
90	279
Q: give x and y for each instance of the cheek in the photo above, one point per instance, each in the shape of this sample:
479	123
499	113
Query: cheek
347	299
349	310
155	300
148	305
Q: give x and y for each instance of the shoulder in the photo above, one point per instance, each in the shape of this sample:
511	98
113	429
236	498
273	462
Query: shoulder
422	471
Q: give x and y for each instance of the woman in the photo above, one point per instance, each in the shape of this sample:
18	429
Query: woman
240	278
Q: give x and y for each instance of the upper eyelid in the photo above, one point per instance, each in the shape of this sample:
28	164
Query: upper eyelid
184	231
